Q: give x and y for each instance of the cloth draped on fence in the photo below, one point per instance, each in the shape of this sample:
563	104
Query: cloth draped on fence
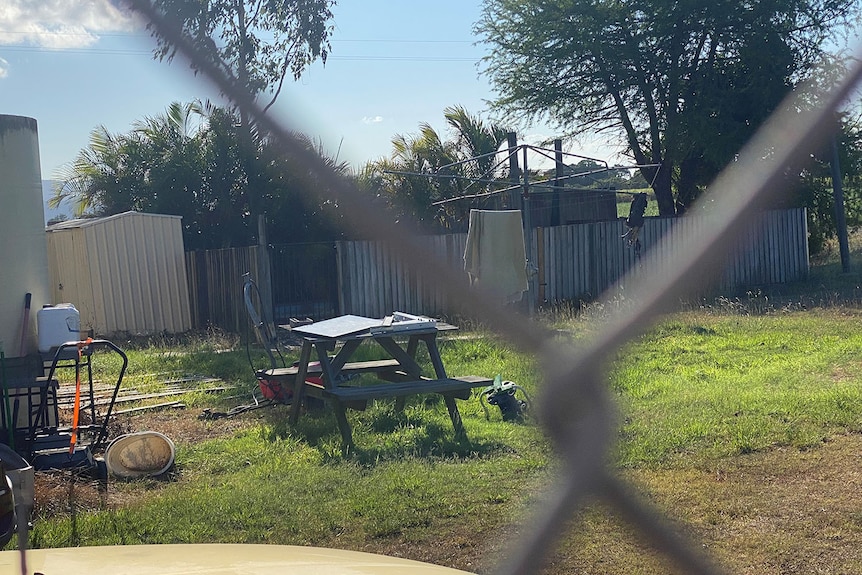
495	257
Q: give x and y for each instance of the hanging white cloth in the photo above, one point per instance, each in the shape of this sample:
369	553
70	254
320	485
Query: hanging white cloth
495	257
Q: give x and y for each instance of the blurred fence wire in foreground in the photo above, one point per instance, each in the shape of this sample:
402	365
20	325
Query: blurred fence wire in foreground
581	416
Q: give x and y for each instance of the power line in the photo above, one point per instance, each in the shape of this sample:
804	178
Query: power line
138	35
400	41
405	58
120	52
96	52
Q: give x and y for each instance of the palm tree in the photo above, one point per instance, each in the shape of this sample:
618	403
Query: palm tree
424	153
199	162
95	181
400	183
176	124
173	159
141	170
475	139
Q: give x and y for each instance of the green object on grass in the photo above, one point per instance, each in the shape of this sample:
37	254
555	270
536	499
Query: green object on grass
502	394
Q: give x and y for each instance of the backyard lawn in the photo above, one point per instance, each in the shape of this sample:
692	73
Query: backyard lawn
741	420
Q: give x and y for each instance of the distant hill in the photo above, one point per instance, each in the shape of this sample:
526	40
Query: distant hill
63	211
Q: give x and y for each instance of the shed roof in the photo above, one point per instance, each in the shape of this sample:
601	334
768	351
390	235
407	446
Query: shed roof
87	222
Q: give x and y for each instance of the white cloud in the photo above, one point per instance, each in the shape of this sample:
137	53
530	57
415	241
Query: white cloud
372	119
4	68
60	24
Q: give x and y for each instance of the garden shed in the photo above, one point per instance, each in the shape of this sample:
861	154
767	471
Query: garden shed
124	273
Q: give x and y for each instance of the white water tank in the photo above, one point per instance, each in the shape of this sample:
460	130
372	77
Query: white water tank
23	245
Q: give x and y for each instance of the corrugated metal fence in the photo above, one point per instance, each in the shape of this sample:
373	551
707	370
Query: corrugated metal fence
580	261
375	281
574	262
215	286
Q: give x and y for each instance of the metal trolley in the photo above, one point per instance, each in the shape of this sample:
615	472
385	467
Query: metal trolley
51	446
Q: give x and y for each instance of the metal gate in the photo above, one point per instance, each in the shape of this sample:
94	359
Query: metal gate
304	281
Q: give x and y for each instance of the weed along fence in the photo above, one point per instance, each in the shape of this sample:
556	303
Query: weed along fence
573	262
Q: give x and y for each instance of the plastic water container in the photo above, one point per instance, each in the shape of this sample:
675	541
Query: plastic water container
57	324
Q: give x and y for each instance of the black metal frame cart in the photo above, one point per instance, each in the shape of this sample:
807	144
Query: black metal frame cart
51	446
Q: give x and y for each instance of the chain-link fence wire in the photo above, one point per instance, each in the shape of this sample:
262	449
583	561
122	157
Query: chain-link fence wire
574	405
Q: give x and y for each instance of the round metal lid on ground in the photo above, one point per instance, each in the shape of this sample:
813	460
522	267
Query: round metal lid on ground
142	454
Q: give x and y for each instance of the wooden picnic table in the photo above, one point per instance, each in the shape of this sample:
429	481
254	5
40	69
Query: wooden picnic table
397	376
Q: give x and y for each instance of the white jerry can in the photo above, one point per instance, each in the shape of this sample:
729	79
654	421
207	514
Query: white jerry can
57	324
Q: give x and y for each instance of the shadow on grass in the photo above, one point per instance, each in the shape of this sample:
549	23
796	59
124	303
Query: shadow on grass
383	433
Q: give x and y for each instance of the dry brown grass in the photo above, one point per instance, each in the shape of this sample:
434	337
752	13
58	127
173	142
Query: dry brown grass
779	512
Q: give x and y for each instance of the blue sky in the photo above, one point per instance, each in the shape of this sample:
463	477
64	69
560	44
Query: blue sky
76	64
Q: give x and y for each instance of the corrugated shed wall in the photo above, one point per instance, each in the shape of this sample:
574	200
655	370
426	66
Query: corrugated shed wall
69	271
135	265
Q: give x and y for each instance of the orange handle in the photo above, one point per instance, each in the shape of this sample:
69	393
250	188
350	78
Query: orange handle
76	411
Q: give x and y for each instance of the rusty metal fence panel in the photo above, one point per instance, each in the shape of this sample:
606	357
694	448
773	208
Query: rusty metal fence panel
215	286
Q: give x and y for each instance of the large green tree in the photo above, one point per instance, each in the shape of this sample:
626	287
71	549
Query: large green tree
814	188
681	84
258	42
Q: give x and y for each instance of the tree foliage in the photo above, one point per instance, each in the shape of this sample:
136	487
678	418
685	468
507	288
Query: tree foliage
258	42
193	162
400	182
682	84
814	188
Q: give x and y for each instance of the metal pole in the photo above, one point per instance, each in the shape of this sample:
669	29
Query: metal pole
264	279
558	175
514	172
528	240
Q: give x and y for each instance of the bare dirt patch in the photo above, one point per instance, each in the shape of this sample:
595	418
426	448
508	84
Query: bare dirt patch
56	491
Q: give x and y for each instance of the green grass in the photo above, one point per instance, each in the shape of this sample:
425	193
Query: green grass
281	484
702	393
701	387
262	491
624	201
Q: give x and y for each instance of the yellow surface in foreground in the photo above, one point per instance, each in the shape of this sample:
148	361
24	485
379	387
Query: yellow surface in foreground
214	559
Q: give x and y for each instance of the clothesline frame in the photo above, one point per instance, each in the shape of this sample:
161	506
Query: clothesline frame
523	184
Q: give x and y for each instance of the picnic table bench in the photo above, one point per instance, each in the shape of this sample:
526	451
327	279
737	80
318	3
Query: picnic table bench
395	377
